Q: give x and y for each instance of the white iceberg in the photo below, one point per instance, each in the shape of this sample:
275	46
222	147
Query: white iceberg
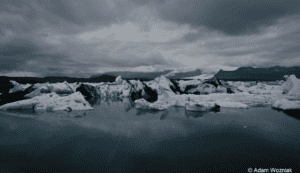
137	85
232	105
183	84
39	91
58	88
284	104
292	86
221	89
123	89
119	80
18	87
51	102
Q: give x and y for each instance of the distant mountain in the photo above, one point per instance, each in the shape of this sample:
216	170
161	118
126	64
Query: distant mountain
4	81
263	74
103	78
180	75
150	75
133	75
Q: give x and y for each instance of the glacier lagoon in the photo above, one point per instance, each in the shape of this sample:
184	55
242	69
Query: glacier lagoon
117	137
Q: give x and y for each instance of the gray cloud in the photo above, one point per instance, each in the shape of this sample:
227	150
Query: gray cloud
227	16
42	37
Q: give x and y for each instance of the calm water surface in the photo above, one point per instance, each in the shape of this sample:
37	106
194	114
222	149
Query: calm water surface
116	137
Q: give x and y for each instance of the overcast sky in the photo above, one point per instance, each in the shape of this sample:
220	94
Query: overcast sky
78	38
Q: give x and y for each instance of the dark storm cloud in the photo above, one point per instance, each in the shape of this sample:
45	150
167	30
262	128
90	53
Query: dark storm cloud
145	2
75	11
231	17
294	49
18	47
15	54
236	53
191	37
69	16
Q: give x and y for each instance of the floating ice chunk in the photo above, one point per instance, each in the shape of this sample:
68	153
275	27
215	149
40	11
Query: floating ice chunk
137	85
61	88
232	105
292	86
204	88
38	92
51	101
221	89
183	84
158	105
126	93
88	91
58	88
18	87
285	104
119	80
123	89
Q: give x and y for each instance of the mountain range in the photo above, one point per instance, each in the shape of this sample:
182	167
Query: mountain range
150	75
262	74
241	74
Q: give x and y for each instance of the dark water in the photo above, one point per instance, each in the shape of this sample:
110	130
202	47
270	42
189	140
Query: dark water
115	137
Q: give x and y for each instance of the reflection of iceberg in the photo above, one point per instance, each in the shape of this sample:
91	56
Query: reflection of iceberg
291	86
94	101
57	116
116	99
147	111
194	114
295	113
127	103
163	113
197	114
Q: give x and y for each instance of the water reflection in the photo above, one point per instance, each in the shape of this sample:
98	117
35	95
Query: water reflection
194	114
94	101
128	104
295	113
116	99
140	112
163	114
198	114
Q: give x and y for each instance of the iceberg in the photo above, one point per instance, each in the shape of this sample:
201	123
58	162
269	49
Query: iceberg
118	80
51	102
232	105
284	104
183	84
221	89
18	87
88	91
292	86
58	88
202	88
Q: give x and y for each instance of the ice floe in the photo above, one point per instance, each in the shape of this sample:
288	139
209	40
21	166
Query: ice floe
292	86
18	87
58	88
285	104
51	102
161	93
